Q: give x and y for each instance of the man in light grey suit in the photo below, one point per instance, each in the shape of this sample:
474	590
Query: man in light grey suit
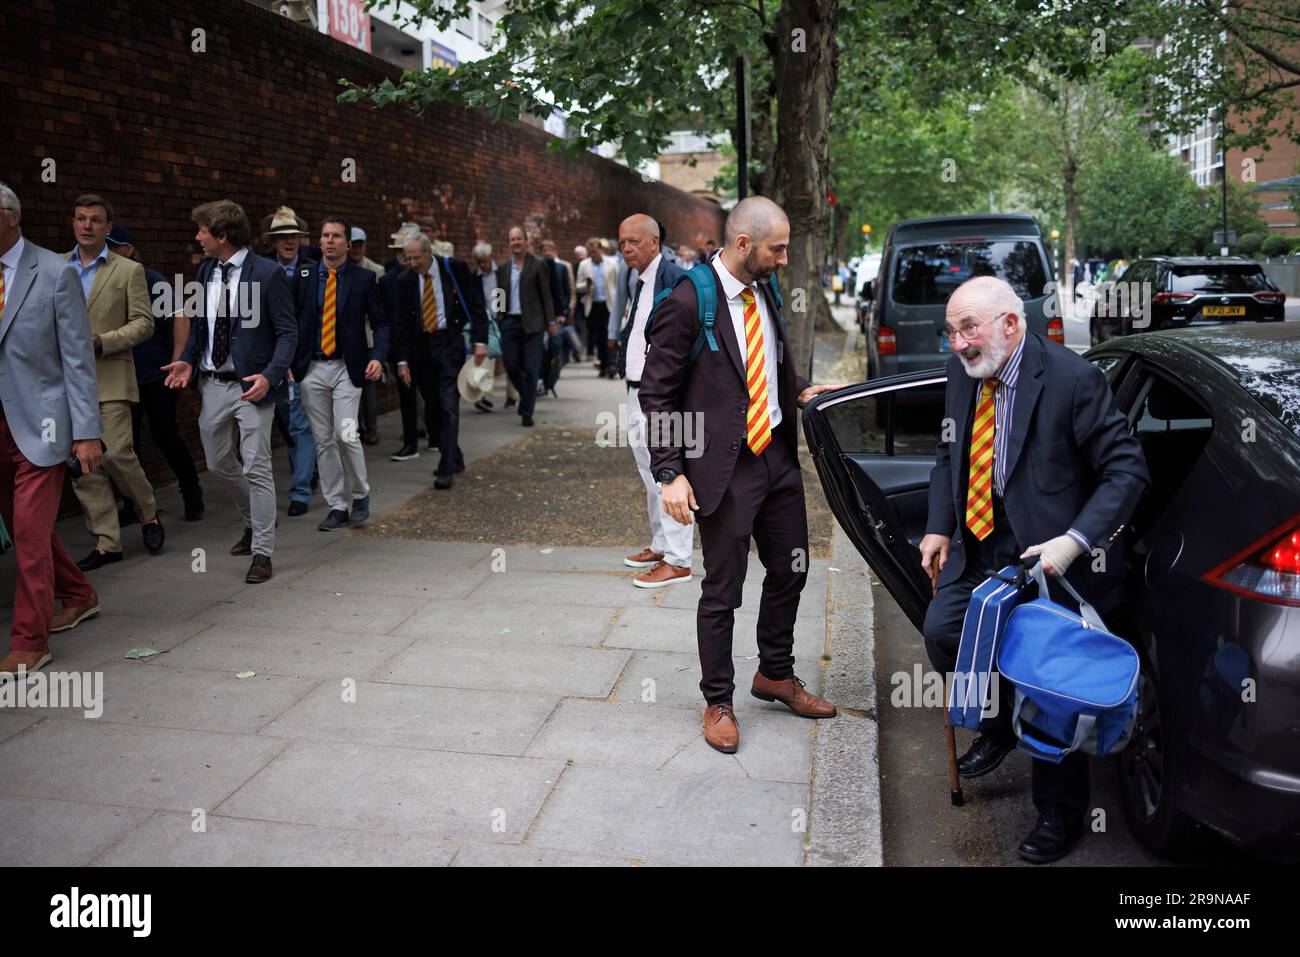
49	413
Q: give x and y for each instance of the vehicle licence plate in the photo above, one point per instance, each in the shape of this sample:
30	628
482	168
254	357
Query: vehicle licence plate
1223	310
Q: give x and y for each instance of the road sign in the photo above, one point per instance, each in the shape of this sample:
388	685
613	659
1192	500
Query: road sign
1219	241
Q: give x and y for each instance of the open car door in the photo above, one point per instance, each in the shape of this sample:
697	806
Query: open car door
874	447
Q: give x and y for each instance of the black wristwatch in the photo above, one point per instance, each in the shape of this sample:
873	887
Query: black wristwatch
666	475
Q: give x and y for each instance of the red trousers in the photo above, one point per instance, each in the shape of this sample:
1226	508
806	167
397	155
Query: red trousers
29	501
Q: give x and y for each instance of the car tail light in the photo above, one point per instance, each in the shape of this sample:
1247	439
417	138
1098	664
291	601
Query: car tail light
1268	569
886	341
1160	298
1270	297
1056	331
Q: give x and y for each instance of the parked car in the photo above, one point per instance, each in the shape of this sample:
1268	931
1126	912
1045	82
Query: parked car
1176	292
924	260
1213	577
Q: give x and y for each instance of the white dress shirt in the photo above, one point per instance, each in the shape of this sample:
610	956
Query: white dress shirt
732	288
640	313
232	300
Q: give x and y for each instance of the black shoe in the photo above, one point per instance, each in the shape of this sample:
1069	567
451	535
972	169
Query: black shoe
405	453
98	559
442	481
336	519
153	535
510	403
360	511
483	405
1051	839
260	570
245	544
297	508
528	421
193	505
984	755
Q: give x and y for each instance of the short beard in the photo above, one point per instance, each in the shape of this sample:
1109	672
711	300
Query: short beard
756	272
989	360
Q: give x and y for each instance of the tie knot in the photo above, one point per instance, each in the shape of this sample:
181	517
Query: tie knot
747	295
990	384
332	272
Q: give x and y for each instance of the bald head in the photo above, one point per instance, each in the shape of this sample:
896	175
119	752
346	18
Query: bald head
983	298
638	240
755	217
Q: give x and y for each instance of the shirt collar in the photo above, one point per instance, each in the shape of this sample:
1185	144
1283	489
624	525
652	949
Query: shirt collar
100	257
325	270
12	258
731	286
237	260
1010	370
648	277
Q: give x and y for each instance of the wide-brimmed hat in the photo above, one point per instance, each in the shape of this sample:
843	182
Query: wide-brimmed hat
283	222
405	233
475	381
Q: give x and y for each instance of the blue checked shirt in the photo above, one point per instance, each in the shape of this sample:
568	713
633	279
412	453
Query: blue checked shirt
87	273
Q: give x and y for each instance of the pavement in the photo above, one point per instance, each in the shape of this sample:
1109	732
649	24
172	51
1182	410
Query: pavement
391	700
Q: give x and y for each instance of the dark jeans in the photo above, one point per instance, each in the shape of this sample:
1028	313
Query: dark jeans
598	326
522	354
159	403
443	355
765	501
1063	785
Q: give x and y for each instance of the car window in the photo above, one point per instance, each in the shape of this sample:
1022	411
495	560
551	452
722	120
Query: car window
860	424
1173	427
1212	278
928	274
1279	392
1109	366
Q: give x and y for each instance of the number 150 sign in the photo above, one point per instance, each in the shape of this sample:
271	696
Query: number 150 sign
350	23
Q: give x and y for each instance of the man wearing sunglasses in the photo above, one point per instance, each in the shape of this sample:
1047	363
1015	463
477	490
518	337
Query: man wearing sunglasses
1040	463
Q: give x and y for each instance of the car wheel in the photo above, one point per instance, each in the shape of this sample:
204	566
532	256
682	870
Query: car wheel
1149	777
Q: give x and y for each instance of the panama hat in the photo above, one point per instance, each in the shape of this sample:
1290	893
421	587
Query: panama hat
475	381
283	222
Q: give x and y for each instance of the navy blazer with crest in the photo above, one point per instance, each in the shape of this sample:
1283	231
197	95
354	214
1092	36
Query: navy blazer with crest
711	391
409	325
1071	463
356	300
260	343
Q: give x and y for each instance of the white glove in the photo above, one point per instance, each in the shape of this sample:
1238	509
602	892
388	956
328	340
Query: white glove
1055	553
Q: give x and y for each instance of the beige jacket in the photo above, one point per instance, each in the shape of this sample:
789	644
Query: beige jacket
120	314
585	286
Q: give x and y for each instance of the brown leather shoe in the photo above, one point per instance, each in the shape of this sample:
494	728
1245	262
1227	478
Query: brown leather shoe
70	616
793	695
30	660
643	559
245	544
720	728
662	574
259	571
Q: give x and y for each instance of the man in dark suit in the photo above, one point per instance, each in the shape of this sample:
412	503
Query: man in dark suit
1053	468
437	297
739	473
331	365
238	354
529	315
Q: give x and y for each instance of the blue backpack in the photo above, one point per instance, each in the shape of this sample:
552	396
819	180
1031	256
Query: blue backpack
706	295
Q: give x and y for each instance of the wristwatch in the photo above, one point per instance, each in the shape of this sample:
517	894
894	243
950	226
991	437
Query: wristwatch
665	476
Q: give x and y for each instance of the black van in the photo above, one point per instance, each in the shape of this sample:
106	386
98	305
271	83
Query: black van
925	260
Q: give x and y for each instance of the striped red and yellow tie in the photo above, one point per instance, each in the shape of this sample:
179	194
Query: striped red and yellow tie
429	307
758	423
979	486
328	316
2	289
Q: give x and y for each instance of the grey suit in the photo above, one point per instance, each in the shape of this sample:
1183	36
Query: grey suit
47	361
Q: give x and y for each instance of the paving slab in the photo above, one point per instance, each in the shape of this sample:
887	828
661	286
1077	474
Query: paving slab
60	833
299	652
475	620
355	611
495	664
483	797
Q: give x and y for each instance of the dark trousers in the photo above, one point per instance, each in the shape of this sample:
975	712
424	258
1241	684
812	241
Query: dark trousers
764	501
522	354
408	403
598	327
159	403
443	355
1063	786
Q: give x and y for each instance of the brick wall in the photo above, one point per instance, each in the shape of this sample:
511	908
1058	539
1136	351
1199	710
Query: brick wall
114	94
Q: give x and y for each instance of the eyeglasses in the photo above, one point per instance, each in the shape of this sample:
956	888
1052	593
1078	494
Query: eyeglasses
969	329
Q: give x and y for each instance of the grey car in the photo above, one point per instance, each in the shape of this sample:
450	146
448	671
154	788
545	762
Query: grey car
1213	581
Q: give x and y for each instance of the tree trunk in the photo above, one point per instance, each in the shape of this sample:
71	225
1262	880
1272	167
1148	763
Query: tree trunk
806	89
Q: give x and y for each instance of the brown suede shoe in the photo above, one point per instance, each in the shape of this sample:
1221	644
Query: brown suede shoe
643	559
720	728
260	570
792	694
662	574
30	660
70	616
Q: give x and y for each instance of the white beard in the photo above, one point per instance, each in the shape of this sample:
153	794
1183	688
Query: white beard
988	361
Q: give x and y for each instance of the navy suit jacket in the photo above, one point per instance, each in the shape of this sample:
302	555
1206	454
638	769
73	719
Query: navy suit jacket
409	335
711	391
1071	463
666	277
262	342
356	300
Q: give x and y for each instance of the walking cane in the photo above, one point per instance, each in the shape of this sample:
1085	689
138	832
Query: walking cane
950	739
